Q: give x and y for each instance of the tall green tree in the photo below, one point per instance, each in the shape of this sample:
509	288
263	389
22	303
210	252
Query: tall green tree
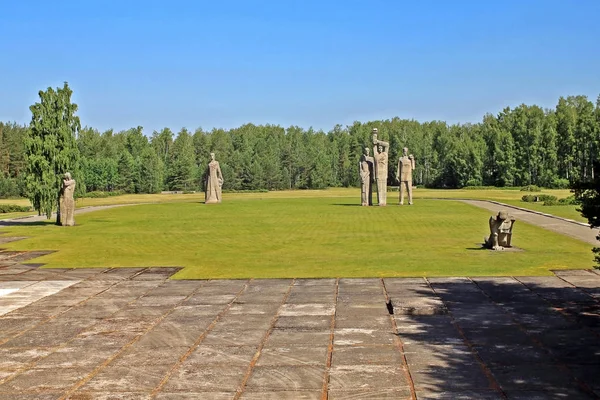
182	163
51	148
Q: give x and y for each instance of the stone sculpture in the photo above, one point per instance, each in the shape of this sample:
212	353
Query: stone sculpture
214	181
406	165
67	202
500	231
380	156
365	168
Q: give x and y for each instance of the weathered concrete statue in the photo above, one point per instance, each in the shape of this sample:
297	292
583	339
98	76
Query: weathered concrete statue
380	155
500	231
406	165
67	202
365	168
214	181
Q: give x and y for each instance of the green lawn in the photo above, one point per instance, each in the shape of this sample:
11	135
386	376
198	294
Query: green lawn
268	236
567	211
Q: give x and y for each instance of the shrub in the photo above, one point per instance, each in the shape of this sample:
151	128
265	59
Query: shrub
558	183
10	208
9	187
546	197
567	201
570	201
531	188
529	198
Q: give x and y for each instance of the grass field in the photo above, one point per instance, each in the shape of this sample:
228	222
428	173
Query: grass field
298	234
511	197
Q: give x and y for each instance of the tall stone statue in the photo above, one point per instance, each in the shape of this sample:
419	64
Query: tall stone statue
380	156
67	202
500	231
365	168
406	165
214	181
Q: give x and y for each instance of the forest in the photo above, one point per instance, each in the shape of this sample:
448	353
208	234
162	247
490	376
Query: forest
519	146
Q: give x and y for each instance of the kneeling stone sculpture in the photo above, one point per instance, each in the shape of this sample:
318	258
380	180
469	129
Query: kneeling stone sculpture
500	231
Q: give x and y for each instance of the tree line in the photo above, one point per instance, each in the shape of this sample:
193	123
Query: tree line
526	145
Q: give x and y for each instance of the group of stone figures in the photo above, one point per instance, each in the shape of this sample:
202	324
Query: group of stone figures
500	226
377	167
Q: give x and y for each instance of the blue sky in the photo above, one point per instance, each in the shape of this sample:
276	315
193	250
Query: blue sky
295	62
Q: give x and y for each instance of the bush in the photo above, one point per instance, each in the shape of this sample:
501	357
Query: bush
531	188
546	197
568	201
9	187
10	208
558	183
532	198
529	198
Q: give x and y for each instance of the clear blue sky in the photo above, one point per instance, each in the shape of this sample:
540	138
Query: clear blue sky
313	63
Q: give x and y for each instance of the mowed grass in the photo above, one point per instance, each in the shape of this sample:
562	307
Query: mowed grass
508	196
262	236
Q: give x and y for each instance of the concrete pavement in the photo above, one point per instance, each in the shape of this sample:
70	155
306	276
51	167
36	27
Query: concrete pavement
135	334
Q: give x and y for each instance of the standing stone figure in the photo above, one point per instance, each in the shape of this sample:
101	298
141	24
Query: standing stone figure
67	202
406	165
365	168
380	155
500	231
214	181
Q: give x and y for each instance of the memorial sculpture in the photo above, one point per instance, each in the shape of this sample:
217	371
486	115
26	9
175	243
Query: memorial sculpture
406	165
365	169
214	181
380	156
67	202
501	227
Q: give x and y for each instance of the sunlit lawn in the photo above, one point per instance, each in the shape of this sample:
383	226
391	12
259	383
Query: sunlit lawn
295	234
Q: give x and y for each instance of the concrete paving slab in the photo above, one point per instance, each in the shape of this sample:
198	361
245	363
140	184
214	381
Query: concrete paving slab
282	395
292	378
131	378
367	355
365	377
206	379
293	355
205	355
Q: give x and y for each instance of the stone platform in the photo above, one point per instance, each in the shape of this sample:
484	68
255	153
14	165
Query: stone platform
135	334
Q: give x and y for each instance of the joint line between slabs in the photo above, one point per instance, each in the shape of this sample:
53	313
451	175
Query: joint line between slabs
254	360
581	289
561	311
56	348
198	341
538	343
137	338
325	392
400	345
486	370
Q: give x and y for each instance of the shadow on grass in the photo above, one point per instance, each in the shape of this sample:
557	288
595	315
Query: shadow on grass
26	223
348	204
502	338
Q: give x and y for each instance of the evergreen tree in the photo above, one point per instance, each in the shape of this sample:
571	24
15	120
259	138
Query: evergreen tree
182	164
